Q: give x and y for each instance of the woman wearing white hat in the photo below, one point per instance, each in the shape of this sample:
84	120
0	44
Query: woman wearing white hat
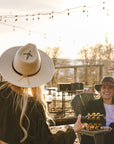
23	116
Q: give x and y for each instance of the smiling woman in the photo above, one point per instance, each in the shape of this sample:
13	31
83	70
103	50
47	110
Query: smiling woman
104	105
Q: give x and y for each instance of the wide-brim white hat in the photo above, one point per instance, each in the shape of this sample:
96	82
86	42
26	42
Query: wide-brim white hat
26	66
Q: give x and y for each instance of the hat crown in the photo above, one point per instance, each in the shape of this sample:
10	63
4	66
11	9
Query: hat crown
108	80
27	60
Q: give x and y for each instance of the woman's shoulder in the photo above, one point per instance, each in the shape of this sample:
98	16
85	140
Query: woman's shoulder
5	93
36	108
35	104
34	101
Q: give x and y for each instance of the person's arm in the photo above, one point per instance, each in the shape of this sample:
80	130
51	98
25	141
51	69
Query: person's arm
60	137
107	128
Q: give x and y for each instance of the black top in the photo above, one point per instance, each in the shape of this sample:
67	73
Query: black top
96	106
38	133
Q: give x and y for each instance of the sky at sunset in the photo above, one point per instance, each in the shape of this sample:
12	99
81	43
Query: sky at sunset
64	23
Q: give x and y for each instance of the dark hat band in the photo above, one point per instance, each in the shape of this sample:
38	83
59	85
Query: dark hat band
26	75
107	83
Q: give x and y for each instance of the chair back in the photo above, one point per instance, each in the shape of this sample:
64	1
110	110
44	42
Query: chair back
80	101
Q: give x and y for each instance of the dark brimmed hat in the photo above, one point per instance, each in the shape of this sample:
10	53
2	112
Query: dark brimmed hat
108	81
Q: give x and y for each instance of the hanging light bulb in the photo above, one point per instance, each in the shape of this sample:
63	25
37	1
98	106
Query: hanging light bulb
107	12
16	20
52	15
84	9
49	16
87	13
33	17
38	16
5	20
26	17
103	5
68	13
13	28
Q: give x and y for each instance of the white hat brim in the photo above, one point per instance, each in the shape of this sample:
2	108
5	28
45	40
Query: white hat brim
43	76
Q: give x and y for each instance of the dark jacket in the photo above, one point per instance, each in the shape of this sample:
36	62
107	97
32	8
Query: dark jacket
97	106
38	133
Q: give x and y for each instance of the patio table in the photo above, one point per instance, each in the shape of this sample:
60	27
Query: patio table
97	134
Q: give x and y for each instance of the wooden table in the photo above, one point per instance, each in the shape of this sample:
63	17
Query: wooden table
97	134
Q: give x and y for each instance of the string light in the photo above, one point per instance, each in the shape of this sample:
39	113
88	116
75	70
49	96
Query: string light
103	5
38	16
22	28
33	17
68	13
104	8
13	28
16	20
50	13
5	19
49	16
85	11
107	12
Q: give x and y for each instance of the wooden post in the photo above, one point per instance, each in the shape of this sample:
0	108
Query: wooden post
86	79
100	73
75	72
63	103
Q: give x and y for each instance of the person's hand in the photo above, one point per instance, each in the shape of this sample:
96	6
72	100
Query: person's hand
78	125
107	128
1	142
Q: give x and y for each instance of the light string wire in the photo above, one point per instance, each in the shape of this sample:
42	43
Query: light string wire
24	29
49	13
